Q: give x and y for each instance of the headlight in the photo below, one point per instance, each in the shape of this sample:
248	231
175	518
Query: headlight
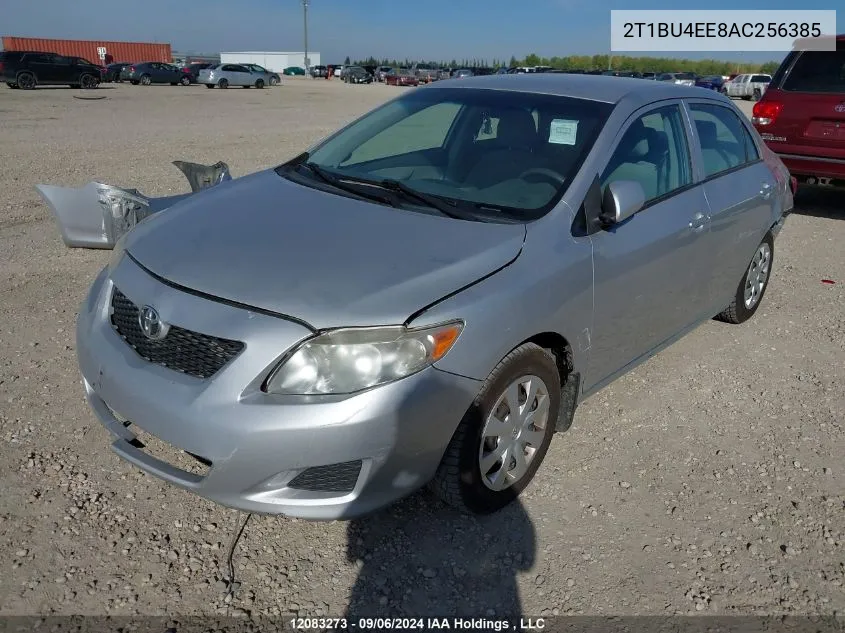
122	210
349	360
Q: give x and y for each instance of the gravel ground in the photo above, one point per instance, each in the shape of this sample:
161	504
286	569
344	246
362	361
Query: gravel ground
709	480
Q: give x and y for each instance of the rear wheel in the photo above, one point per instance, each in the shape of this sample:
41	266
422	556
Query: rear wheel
185	81
26	81
223	83
752	286
757	94
503	437
146	80
88	82
209	85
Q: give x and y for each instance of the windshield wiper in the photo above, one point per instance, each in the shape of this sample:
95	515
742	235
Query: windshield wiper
338	183
450	210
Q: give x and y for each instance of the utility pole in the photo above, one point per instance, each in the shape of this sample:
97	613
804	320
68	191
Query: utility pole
305	30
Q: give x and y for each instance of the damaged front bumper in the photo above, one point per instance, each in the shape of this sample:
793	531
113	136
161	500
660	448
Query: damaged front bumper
97	215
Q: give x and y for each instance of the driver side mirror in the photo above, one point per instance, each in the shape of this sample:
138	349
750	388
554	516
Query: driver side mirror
621	200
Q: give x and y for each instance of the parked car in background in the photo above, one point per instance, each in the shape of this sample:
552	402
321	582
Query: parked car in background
710	82
801	116
380	73
270	78
338	70
649	75
462	73
148	73
294	71
357	75
319	71
401	77
748	86
426	73
565	230
227	75
29	69
113	72
193	70
622	73
680	79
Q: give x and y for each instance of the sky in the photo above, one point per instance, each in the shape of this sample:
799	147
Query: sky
414	29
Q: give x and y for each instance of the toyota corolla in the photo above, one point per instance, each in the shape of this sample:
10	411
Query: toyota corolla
424	297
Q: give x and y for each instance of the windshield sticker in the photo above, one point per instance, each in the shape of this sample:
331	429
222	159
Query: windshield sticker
563	131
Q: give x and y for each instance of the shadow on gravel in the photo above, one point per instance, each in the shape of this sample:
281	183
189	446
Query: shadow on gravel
420	557
816	202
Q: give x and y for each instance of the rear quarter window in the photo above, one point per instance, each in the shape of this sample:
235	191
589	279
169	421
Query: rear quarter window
817	71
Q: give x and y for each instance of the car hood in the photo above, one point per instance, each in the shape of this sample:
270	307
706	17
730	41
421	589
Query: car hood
331	261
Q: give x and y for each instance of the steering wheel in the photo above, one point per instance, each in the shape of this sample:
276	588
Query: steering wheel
549	174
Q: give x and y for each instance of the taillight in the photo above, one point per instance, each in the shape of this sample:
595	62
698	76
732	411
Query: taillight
131	69
765	112
793	184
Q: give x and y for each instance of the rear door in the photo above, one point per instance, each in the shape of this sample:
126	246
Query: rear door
46	67
740	191
811	91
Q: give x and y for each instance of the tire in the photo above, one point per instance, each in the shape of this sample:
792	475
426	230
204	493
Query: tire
223	83
88	82
274	81
134	82
459	480
757	94
742	308
209	86
146	80
26	81
185	81
11	85
259	84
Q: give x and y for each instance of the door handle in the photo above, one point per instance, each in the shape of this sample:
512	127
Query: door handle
698	221
766	190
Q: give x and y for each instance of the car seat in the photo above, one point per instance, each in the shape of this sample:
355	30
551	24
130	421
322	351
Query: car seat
510	153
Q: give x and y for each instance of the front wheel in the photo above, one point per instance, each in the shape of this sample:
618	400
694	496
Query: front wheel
223	84
757	94
274	81
88	82
753	285
185	81
503	437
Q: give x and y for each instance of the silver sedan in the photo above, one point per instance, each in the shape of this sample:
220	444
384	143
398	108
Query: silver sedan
225	75
426	296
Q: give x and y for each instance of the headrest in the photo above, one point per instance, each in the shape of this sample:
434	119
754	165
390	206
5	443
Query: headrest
634	145
517	129
707	134
658	142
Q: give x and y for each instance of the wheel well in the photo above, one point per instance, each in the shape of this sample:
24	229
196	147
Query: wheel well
558	346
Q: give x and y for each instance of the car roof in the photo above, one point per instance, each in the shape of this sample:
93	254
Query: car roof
592	87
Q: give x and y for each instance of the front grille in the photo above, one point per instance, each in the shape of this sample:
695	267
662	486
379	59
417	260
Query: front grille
331	478
182	350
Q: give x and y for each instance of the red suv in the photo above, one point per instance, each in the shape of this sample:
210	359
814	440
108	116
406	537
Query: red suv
801	116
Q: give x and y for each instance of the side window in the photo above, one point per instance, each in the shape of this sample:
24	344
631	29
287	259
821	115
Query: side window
60	60
725	141
426	129
653	152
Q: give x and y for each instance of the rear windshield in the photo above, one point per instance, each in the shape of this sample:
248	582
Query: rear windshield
817	71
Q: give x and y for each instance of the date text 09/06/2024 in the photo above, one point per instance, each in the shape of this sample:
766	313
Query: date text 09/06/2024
420	624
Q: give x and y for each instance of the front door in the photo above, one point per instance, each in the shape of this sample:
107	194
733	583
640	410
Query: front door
649	271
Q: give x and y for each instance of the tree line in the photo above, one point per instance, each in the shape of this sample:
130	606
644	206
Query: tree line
592	62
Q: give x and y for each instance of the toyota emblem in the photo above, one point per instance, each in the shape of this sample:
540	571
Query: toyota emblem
151	324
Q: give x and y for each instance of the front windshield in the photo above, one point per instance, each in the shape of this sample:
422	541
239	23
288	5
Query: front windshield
507	150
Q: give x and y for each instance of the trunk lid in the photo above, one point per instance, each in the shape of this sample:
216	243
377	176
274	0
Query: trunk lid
328	260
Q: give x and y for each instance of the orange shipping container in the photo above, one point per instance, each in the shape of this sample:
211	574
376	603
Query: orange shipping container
89	49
